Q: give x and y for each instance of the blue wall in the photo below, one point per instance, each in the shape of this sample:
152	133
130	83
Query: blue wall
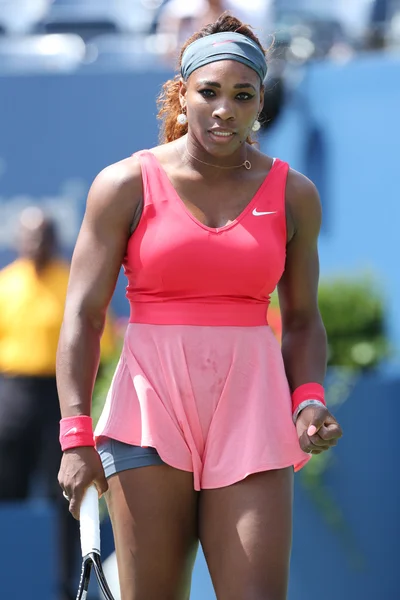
28	551
362	561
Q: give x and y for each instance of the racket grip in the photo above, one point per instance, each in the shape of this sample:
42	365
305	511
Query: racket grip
90	522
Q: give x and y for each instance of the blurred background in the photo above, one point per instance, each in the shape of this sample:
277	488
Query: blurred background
78	87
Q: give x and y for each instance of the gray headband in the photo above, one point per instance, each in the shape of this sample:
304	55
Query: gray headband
223	46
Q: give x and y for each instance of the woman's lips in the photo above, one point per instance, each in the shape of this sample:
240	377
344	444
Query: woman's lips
221	135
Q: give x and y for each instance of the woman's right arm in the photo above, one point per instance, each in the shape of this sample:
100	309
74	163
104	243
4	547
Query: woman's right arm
99	251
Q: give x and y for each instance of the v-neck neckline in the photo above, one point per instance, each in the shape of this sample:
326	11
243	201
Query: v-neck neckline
233	223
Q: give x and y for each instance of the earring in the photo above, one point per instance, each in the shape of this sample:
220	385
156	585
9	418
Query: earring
256	125
182	118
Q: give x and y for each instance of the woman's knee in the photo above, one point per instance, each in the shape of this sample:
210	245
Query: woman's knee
253	593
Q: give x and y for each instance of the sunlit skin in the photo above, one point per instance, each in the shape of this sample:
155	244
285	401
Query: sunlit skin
225	96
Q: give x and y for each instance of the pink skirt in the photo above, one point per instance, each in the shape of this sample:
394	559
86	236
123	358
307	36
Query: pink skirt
212	400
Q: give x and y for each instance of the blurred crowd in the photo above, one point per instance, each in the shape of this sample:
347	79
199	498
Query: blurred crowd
68	34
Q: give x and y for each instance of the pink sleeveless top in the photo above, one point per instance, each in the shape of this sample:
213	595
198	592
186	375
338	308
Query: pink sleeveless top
181	272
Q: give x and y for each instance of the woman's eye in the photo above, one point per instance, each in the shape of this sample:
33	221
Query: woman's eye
207	93
244	96
211	94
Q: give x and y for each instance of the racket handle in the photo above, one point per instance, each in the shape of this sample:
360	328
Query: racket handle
90	522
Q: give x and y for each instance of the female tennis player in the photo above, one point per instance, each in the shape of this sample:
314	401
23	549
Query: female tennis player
207	416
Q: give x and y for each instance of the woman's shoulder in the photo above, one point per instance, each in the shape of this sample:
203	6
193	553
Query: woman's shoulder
119	184
303	203
125	173
301	192
297	184
167	153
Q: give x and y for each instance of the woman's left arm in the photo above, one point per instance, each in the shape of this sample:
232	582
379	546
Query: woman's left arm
304	343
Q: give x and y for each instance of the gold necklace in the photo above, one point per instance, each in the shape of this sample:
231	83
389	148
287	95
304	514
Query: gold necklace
246	164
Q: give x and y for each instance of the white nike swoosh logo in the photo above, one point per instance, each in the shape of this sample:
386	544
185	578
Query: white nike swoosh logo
71	431
258	214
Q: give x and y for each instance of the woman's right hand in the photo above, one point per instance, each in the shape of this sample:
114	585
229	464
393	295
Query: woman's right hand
80	467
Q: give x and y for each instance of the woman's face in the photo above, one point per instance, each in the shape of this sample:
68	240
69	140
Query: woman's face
222	101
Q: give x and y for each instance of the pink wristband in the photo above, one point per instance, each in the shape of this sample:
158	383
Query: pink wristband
307	391
76	431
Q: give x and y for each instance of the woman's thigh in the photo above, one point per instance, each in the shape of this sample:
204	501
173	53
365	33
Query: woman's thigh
246	531
153	512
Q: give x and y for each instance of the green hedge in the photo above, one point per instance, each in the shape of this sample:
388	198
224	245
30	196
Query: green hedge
353	311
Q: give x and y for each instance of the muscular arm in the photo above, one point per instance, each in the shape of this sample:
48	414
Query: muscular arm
95	266
304	345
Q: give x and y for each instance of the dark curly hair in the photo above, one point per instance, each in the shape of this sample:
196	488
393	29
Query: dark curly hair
168	101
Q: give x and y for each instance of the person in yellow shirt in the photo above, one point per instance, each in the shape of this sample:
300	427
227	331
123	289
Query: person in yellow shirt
32	296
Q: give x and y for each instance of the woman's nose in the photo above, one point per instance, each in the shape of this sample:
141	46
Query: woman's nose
224	112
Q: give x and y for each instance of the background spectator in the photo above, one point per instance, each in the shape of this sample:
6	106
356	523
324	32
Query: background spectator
32	296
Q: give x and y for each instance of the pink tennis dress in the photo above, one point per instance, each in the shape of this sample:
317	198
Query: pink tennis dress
201	376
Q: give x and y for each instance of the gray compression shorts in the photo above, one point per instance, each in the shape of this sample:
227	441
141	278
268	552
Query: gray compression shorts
117	456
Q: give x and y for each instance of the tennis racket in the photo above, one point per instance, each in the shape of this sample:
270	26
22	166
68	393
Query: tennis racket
90	544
